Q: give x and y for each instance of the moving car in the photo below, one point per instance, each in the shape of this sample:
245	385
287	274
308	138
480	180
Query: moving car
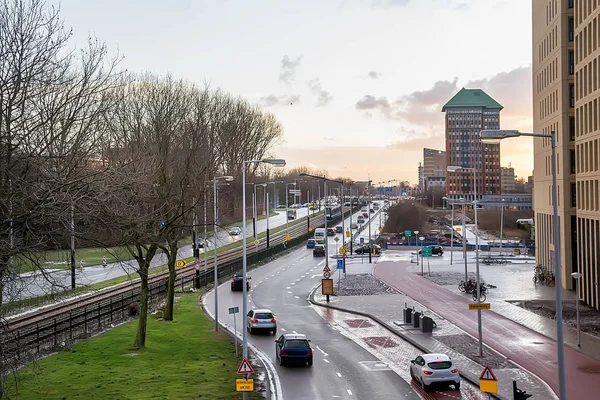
261	318
293	348
360	220
366	215
339	229
430	369
319	250
236	282
235	231
311	243
365	249
435	250
330	231
354	226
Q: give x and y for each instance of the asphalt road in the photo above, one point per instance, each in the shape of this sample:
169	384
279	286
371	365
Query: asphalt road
342	369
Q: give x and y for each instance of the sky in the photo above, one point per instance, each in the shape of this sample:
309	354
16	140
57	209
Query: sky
358	85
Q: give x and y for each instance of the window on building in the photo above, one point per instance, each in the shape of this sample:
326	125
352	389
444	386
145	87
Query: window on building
572	128
572	95
571	3
571	62
572	155
571	29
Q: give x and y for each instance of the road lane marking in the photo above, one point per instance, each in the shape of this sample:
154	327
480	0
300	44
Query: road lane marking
295	332
288	287
260	282
338	374
293	283
314	276
290	292
296	296
283	329
321	350
326	360
349	392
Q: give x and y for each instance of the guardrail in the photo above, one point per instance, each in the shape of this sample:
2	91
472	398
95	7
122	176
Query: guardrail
50	329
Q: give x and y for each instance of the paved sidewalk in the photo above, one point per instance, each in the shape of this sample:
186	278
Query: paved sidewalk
520	344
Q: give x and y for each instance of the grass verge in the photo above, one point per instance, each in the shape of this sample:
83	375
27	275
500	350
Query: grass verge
184	359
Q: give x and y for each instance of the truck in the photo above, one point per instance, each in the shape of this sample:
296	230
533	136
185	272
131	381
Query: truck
320	235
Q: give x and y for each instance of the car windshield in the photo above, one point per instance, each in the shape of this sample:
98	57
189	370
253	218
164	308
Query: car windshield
263	316
297	344
440	365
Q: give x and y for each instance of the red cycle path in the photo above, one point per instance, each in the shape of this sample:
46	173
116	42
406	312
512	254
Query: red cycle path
529	349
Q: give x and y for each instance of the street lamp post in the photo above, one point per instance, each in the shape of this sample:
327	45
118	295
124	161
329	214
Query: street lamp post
576	276
287	219
451	229
276	162
454	168
370	215
501	225
417	245
215	269
494	136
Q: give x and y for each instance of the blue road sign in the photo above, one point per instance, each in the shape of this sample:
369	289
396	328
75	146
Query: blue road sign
388	189
380	189
362	240
340	264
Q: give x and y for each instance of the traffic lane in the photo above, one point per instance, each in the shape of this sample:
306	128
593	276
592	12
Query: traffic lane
336	358
279	220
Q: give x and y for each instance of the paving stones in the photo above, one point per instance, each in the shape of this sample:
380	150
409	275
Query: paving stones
363	285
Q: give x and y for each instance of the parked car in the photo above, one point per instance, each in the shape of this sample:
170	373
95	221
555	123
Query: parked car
430	369
293	348
200	242
311	243
236	282
262	319
330	231
319	250
338	229
365	249
235	231
435	250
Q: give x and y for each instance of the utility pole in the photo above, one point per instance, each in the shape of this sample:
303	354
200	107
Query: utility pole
73	283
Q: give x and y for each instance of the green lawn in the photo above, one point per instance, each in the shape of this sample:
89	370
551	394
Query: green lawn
184	359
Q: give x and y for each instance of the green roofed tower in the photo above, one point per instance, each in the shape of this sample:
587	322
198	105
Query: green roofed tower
467	113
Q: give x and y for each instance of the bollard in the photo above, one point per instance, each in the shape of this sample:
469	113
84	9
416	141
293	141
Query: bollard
416	318
408	315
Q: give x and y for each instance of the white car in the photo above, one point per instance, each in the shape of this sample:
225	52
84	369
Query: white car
429	369
261	319
235	231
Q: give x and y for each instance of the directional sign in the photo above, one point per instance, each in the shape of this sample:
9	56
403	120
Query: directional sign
340	264
180	263
256	242
337	239
347	232
244	385
326	274
326	269
487	381
234	310
327	286
427	251
362	240
245	368
343	251
388	189
479	306
408	233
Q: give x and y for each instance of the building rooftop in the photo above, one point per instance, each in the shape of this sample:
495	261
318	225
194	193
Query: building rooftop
471	98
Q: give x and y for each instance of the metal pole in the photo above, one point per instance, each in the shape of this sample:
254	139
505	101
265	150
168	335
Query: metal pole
205	232
287	220
254	212
235	336
560	340
577	308
244	264
343	222
267	204
464	240
326	237
452	234
370	219
501	225
479	327
274	196
215	269
73	283
196	249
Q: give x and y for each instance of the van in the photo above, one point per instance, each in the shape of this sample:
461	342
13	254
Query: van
525	221
320	235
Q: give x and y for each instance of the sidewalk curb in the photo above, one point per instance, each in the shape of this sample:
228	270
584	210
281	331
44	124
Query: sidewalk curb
387	327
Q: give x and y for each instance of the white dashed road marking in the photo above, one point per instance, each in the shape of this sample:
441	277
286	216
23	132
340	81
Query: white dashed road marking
349	392
338	374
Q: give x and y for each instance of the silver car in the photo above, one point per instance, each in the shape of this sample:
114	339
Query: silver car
261	319
235	231
429	369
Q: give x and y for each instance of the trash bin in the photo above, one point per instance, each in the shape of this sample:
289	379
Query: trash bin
426	324
416	318
408	315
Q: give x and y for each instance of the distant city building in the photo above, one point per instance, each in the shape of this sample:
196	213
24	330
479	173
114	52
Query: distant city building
421	178
467	113
529	185
508	180
515	201
566	100
434	168
436	183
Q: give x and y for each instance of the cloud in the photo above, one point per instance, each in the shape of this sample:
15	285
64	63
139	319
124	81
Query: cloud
374	74
323	96
370	103
287	74
462	7
272	100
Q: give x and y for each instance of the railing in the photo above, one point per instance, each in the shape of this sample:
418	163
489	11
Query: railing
26	337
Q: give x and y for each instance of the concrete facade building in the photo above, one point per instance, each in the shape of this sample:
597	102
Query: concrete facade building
508	180
434	169
467	113
566	99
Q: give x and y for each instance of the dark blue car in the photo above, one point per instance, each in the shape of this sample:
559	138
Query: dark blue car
293	348
311	243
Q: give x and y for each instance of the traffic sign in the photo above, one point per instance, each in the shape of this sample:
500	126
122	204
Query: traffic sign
337	239
408	233
362	240
326	269
327	286
347	232
287	237
310	228
340	264
326	274
244	385
479	306
343	251
180	263
234	310
256	242
487	381
388	189
245	367
380	229
427	252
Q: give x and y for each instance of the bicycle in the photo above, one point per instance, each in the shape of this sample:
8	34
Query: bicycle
482	295
539	275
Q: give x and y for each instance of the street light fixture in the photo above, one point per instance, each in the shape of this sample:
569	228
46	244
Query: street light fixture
494	137
276	162
215	269
456	168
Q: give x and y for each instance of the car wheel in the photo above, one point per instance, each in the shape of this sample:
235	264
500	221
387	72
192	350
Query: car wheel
457	386
274	332
412	376
424	386
281	361
309	364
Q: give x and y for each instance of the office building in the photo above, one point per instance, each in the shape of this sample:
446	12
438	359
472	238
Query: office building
434	169
566	99
508	180
467	113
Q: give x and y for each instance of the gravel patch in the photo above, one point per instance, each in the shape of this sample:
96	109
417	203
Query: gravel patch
449	278
363	285
469	347
589	318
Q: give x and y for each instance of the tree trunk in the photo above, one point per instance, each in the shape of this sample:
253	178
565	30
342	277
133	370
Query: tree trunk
172	259
140	337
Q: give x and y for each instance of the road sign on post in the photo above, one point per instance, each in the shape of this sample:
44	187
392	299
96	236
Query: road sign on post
487	381
245	368
340	264
408	233
244	385
362	240
427	252
326	286
180	263
479	306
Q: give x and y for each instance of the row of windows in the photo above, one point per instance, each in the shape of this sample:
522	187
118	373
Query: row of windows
551	11
586	155
548	44
548	75
587	235
584	195
587	117
453	113
587	78
584	9
549	104
586	40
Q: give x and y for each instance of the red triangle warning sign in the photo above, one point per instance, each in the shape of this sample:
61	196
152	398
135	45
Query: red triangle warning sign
245	367
487	374
326	269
